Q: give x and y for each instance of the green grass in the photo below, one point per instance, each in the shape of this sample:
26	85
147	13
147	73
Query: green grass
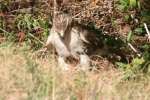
24	77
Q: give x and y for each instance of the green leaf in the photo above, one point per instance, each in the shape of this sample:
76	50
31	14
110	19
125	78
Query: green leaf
121	65
138	4
138	61
139	31
129	36
35	23
133	3
126	17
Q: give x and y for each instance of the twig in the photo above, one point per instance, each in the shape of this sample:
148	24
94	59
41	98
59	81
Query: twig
131	46
146	28
36	39
23	10
4	31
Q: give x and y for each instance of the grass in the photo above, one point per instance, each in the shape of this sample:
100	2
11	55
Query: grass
23	77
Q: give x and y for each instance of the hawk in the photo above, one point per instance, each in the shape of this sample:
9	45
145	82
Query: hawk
74	40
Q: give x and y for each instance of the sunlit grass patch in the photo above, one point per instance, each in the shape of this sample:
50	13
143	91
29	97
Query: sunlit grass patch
23	77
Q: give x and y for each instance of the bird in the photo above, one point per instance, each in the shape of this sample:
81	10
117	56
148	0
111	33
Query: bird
73	40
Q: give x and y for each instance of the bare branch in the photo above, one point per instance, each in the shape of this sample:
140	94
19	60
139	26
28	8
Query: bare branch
131	46
146	28
36	38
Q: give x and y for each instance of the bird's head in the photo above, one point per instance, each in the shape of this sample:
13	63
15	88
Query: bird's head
61	22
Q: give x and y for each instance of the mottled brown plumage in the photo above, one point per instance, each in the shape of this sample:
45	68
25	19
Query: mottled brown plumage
73	40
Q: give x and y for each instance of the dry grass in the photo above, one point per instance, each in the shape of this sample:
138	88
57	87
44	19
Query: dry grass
24	78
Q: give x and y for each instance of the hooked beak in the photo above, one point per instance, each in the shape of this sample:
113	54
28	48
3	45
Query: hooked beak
61	34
